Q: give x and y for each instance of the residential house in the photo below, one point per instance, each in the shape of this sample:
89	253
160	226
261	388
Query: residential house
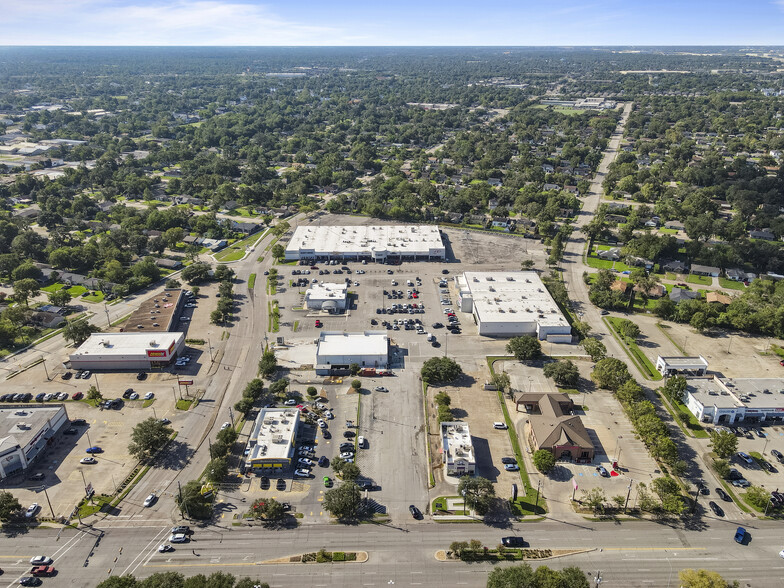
674	225
717	297
735	274
190	240
548	187
246	228
763	234
171	264
501	221
675	266
655	291
612	254
639	262
188	200
705	270
620	286
26	213
680	294
495	182
547	168
47	320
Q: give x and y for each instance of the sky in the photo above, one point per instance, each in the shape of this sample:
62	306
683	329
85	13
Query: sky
391	22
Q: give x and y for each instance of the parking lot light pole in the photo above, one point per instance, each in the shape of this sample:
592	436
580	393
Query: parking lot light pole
768	505
97	387
628	494
766	445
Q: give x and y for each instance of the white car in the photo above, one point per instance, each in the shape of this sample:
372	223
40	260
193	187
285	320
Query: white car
133	396
347	455
150	500
41	560
302	473
149	396
225	425
328	415
290	402
380	389
32	509
165	548
361	442
320	405
304	461
178	538
322	423
88	460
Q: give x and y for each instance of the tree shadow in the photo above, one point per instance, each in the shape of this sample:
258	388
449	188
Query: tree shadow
499	515
174	457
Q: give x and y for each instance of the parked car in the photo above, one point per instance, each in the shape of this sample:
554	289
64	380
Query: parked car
94	449
742	483
513	541
304	461
37	476
415	512
380	389
133	396
290	402
88	460
71	431
327	482
745	457
77	396
323	462
302	473
322	423
511	467
759	432
149	396
30	581
141	376
603	471
716	509
506	460
499	425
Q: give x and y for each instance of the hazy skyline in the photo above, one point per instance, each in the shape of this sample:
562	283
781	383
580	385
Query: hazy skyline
351	22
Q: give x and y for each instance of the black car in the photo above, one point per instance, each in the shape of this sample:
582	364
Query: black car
349	434
30	581
777	454
734	474
444	271
66	376
415	512
704	490
326	434
40	397
347	447
759	432
508	460
141	376
716	509
38	476
437	325
127	393
723	495
767	466
513	541
367	485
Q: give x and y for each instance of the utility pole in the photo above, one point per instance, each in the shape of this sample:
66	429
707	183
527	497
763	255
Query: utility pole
538	486
210	347
628	494
47	500
96	383
182	501
231	416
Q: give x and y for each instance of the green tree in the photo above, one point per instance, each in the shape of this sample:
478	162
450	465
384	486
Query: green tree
520	576
9	506
544	461
216	317
280	228
120	582
193	503
228	436
268	364
502	382
478	493
350	472
277	251
93	394
627	328
148	437
268	509
223	273
563	372
77	332
524	348
594	499
594	348
440	370
527	264
723	443
610	373
59	298
703	579
196	272
217	470
26	270
343	502
356	385
172	283
25	289
758	496
218	449
722	467
354	369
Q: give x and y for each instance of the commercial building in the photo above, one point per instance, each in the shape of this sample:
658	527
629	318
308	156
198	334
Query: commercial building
373	243
458	449
271	442
552	426
684	366
731	400
25	432
127	351
510	304
330	297
337	350
159	313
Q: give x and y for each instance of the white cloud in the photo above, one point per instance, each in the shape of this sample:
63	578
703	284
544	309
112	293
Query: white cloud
168	22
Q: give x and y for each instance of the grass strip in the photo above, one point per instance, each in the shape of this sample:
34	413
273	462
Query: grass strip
427	436
251	281
641	362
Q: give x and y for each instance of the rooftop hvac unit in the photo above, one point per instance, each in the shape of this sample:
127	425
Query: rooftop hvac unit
153	343
492	289
263	449
552	311
509	279
476	279
512	310
501	310
527	281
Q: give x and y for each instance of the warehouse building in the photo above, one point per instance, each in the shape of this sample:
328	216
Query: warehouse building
330	297
25	431
372	243
684	366
511	304
458	449
337	350
271	442
127	351
724	401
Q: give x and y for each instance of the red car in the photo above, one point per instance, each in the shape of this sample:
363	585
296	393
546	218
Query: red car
77	396
313	267
42	571
319	324
781	362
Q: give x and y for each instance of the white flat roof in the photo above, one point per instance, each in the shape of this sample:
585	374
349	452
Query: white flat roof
456	438
684	362
327	291
513	297
333	343
366	239
753	393
273	434
128	343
